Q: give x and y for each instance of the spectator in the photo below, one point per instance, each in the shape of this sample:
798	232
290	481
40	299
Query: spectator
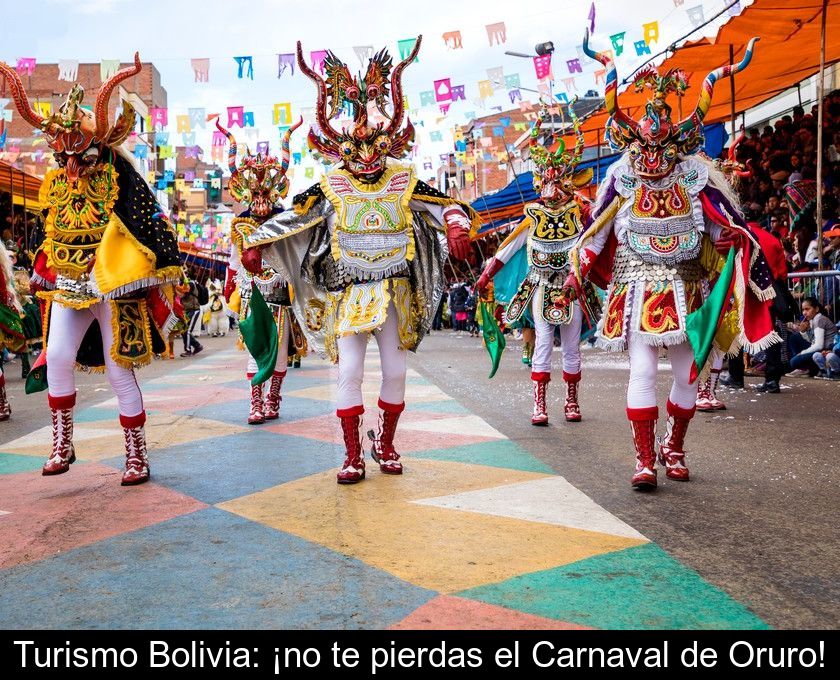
828	361
191	301
816	334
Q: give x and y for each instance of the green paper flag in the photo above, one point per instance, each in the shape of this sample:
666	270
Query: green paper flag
259	332
702	324
494	339
36	381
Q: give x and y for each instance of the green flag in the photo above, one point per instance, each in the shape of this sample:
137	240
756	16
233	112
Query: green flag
259	332
36	380
702	324
494	339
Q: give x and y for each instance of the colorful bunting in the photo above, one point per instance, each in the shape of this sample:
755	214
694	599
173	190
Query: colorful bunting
183	123
363	53
282	114
165	152
159	117
192	151
198	119
189	175
405	47
569	84
453	40
245	67
235	116
617	40
515	95
695	15
641	48
459	93
188	139
309	173
141	151
496	76
161	138
542	65
498	131
591	18
497	32
444	107
219	138
107	68
262	148
436	136
443	90
512	81
25	66
469	115
651	32
427	98
285	61
485	89
168	176
600	76
201	70
68	70
574	66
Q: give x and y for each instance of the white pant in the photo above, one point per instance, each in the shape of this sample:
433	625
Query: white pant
67	330
644	359
351	364
282	349
544	343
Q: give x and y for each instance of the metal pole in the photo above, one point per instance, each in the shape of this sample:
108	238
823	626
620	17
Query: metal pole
820	97
732	92
598	151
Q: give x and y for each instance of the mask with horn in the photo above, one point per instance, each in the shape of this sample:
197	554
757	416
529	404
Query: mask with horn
76	136
259	181
555	179
655	141
362	149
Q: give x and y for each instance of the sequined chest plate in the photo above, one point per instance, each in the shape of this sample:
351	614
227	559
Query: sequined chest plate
661	226
552	235
372	237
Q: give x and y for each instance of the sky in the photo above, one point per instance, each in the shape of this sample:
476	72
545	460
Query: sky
171	32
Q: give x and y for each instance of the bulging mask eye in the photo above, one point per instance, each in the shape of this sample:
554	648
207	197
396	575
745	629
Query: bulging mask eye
347	149
352	93
382	143
373	91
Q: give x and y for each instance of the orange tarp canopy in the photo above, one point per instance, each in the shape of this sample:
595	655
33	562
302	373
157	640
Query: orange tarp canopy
18	183
787	53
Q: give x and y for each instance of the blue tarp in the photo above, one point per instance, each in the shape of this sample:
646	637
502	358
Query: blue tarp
521	189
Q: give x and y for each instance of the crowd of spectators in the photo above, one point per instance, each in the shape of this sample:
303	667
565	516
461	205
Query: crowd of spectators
784	155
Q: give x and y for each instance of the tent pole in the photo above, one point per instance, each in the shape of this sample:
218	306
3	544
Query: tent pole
732	92
598	167
820	98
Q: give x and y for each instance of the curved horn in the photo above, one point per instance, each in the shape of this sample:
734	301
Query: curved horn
19	96
705	99
232	150
535	129
285	153
611	87
579	138
320	108
738	140
100	108
396	89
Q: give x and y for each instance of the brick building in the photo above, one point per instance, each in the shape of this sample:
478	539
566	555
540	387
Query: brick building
144	91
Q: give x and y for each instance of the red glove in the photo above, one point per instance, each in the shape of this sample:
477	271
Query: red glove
490	270
252	259
571	286
457	232
230	283
728	239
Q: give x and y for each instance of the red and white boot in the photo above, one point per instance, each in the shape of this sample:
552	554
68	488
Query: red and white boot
62	435
136	459
643	425
571	408
671	446
706	398
5	408
540	414
257	414
353	470
383	451
273	398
